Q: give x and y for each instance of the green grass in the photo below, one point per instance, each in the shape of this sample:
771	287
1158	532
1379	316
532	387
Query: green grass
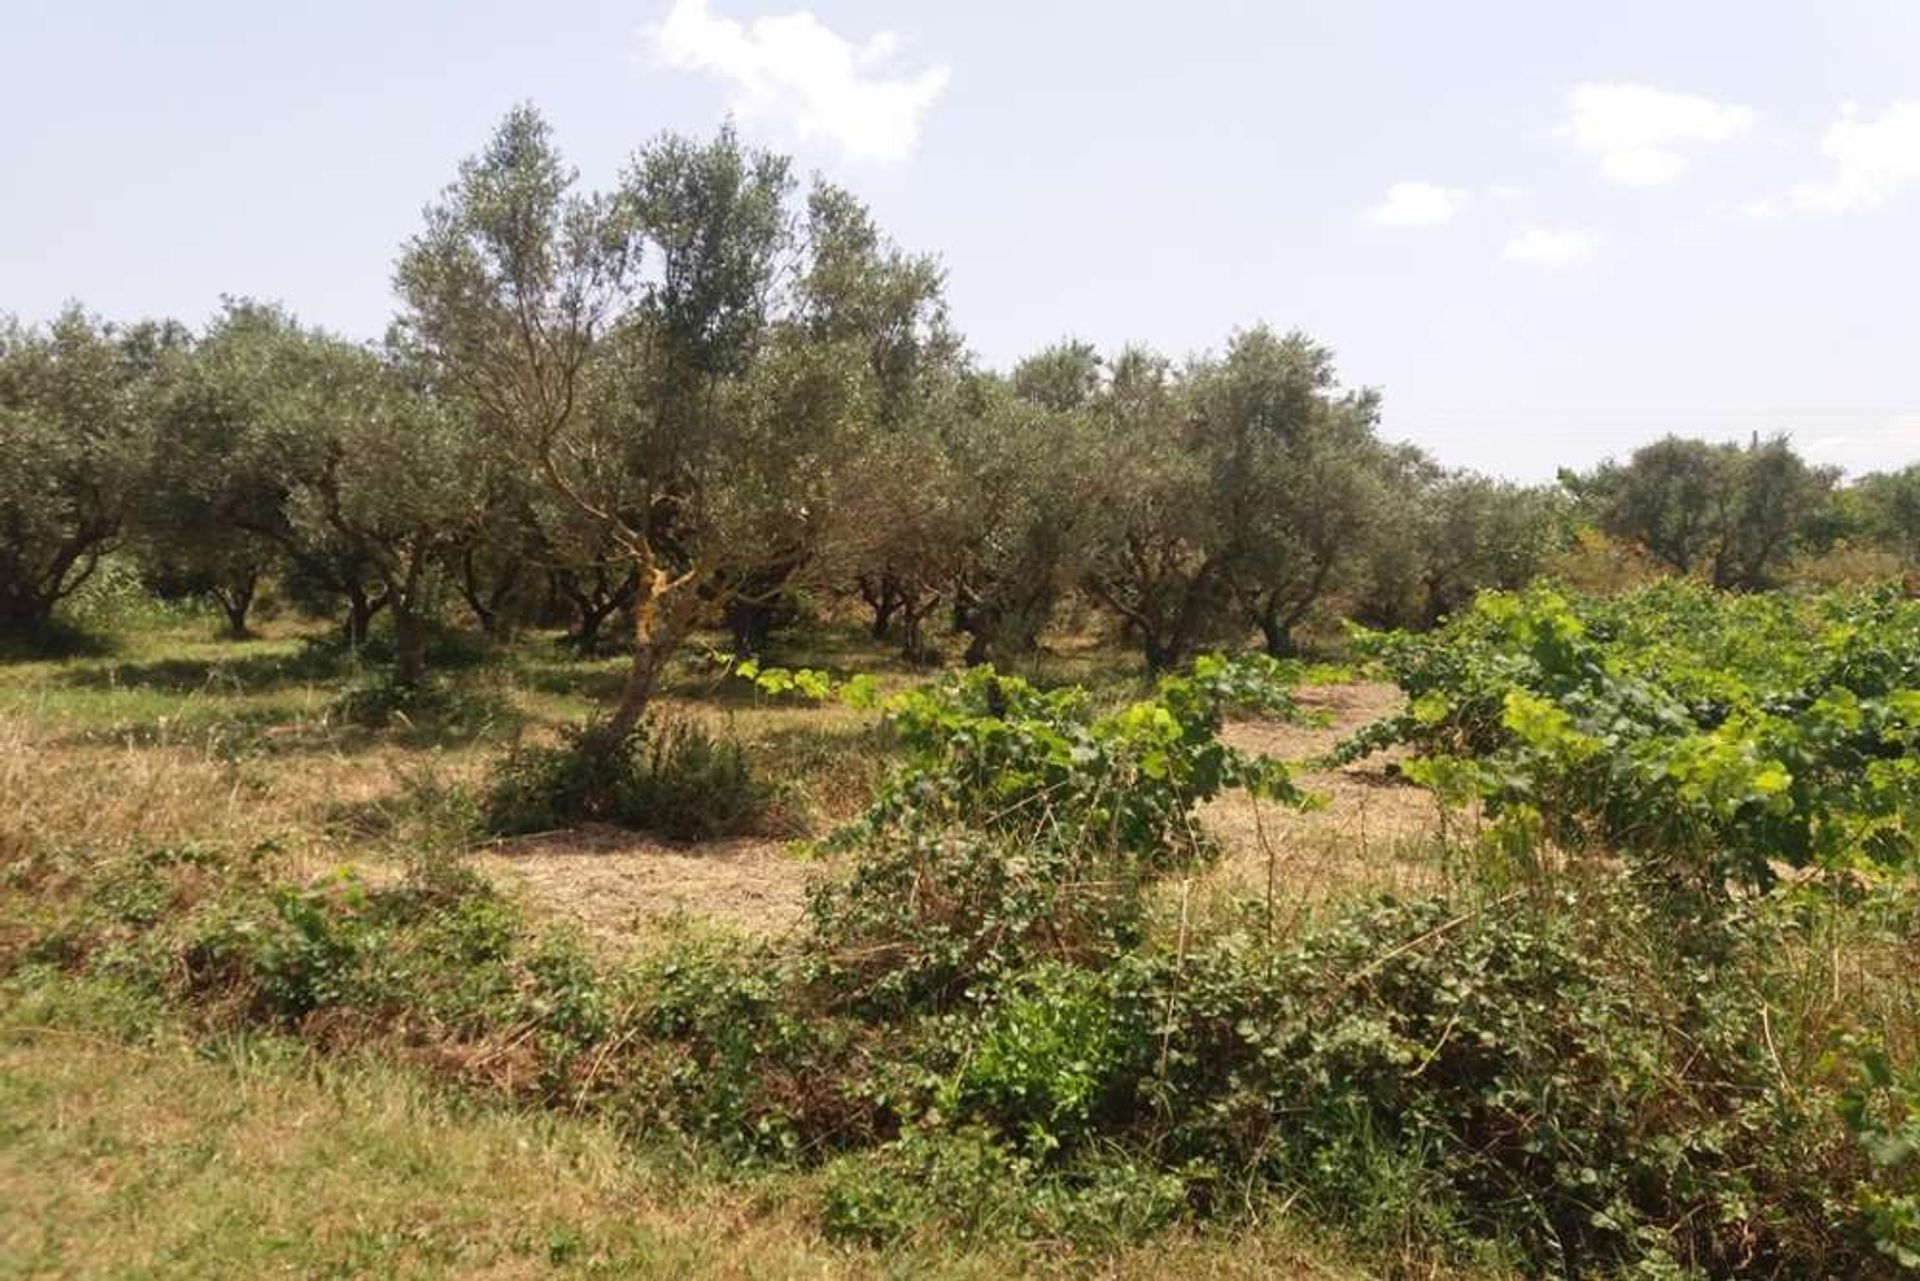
254	1156
251	1158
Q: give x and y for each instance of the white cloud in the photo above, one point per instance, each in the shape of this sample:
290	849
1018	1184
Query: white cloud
792	70
1868	163
1552	248
1641	134
1875	445
1416	204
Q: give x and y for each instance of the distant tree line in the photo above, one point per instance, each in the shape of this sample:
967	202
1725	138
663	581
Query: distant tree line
704	394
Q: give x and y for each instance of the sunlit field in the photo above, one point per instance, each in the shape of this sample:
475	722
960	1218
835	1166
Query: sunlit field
1371	953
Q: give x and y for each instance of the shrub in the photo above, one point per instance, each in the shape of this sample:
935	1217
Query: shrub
673	778
739	1057
1048	1054
1024	826
691	786
924	921
1567	1073
997	755
435	950
377	701
1710	737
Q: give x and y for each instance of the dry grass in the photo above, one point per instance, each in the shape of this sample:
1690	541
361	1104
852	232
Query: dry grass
282	1165
1374	831
619	886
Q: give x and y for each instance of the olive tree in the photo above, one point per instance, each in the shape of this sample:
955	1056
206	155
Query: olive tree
1025	514
240	435
74	420
1891	502
208	510
1727	512
681	410
1298	477
379	476
1453	534
909	496
1245	487
862	294
1158	556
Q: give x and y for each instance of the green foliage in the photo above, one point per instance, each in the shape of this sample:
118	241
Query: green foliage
1046	1054
1732	514
1240	489
1883	1113
430	949
1023	824
995	754
379	699
1507	1067
1890	503
741	1058
670	777
1711	735
75	431
115	600
969	1185
1457	534
982	1034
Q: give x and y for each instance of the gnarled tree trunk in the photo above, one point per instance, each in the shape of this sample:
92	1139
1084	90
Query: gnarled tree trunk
664	610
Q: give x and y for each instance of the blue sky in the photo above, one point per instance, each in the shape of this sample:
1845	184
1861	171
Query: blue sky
1548	232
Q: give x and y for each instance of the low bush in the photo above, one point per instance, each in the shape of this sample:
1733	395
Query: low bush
1883	1112
377	701
673	777
1024	826
1554	1072
926	921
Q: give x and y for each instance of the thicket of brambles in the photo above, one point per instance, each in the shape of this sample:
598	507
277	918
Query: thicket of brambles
1656	1015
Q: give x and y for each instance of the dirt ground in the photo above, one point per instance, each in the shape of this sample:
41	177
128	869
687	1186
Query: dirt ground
1374	829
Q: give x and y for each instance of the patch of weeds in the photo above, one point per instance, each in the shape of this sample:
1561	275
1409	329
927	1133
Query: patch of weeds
1883	1113
926	921
969	1185
434	952
436	705
1049	1054
426	814
671	777
739	1057
833	770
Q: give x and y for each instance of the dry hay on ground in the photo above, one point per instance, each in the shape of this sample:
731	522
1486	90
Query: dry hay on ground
618	886
1376	830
